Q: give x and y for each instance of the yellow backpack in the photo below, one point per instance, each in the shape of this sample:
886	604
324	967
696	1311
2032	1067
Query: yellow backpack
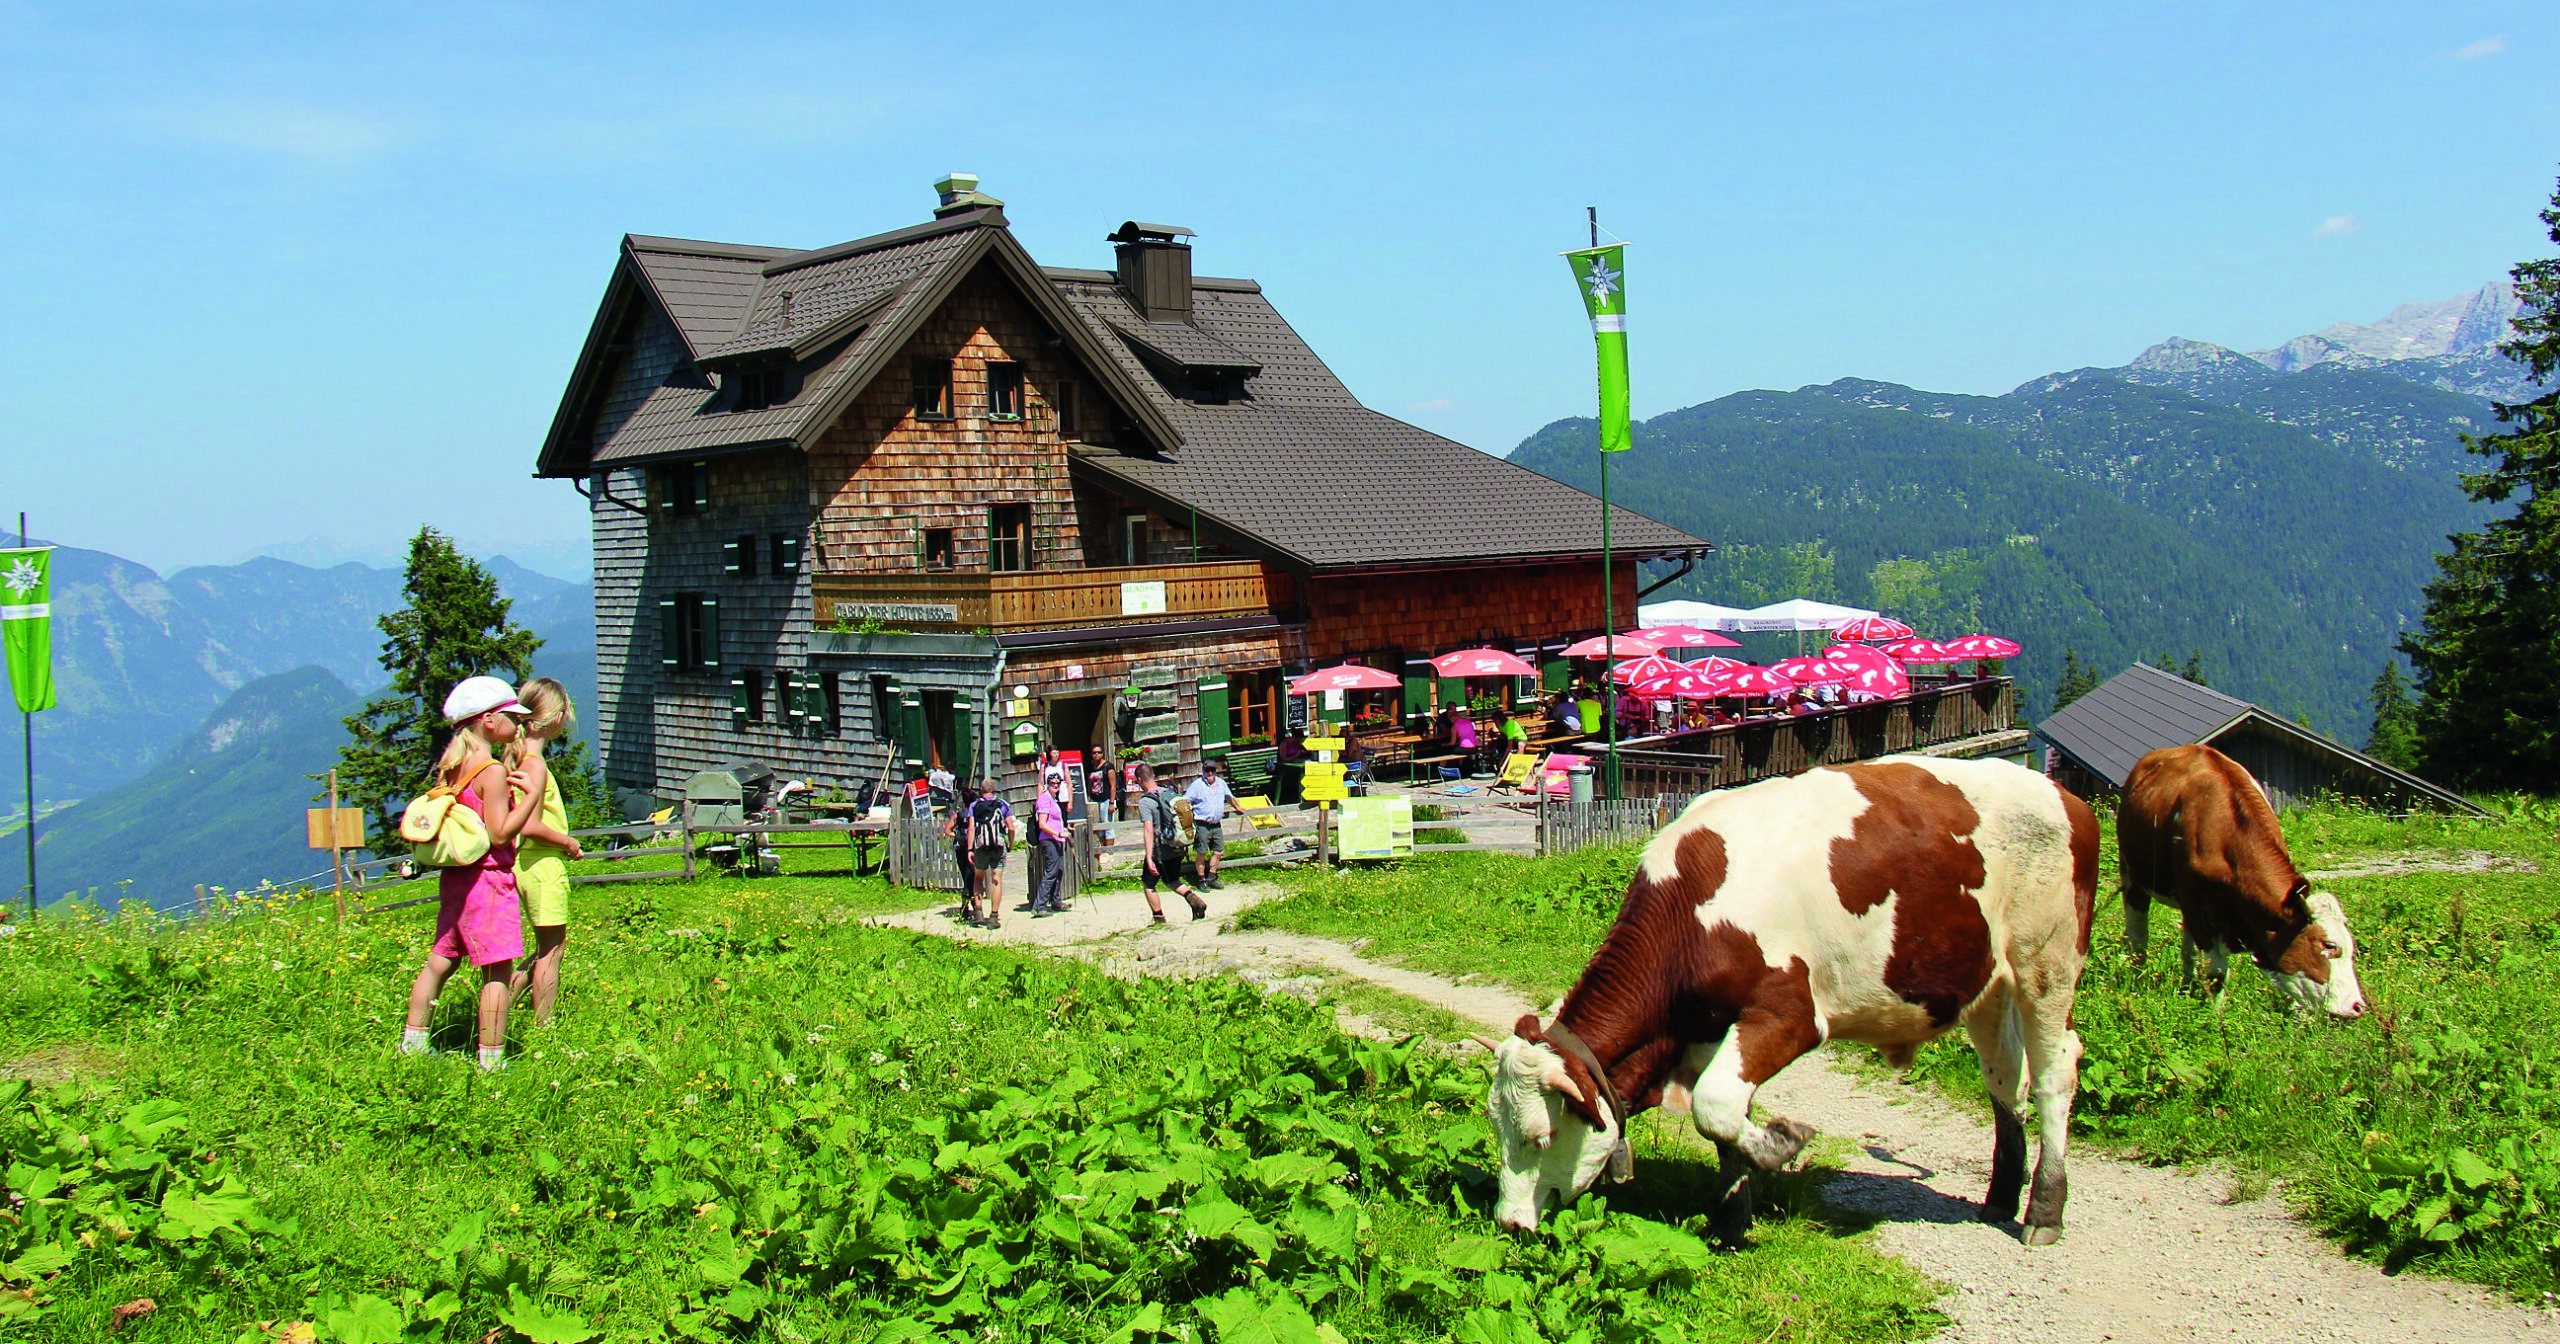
442	834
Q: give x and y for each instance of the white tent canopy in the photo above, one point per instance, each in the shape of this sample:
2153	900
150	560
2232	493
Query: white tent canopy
1700	615
1800	613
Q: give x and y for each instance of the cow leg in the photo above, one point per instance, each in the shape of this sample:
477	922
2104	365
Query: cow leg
2053	1056
1730	1224
1993	1024
2137	922
1769	1035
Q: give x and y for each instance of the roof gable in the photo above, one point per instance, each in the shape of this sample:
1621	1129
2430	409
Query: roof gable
837	314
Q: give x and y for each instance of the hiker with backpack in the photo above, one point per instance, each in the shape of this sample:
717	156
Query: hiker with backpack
990	825
1164	850
479	915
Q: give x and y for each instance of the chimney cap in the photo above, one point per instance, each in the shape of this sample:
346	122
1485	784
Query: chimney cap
958	192
1134	232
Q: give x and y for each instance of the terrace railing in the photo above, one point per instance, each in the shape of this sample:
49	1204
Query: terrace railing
929	601
1679	764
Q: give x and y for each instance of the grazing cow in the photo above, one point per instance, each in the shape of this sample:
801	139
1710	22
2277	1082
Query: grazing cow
2195	832
1880	903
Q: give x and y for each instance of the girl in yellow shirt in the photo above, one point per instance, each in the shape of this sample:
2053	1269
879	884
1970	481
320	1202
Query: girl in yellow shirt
544	849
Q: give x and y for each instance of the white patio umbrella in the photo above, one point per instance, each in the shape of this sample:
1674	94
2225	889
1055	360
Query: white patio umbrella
1801	613
1704	615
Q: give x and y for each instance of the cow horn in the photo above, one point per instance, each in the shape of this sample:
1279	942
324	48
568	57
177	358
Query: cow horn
1558	1078
1487	1042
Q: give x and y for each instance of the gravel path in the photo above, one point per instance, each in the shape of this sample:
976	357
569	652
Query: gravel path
2149	1254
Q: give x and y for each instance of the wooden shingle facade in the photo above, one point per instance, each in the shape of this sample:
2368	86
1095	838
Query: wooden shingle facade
848	502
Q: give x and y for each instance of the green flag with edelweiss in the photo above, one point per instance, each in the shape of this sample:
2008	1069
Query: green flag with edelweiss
26	623
1601	273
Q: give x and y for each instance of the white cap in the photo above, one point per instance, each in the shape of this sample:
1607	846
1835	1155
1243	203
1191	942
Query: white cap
476	696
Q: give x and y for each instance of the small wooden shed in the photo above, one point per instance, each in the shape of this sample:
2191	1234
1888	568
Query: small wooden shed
2099	737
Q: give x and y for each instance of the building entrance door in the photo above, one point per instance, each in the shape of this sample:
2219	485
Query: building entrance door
1083	723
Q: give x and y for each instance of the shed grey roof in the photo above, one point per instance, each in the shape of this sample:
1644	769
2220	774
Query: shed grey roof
2136	712
1296	469
2142	709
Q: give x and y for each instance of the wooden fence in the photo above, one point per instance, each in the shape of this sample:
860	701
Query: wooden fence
1565	826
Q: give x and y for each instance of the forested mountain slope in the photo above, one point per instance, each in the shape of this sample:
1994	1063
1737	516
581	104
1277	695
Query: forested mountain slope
2082	510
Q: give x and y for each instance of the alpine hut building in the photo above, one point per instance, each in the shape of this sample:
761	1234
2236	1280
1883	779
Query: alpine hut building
917	501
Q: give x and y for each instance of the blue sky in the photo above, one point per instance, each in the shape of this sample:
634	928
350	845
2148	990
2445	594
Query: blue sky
279	272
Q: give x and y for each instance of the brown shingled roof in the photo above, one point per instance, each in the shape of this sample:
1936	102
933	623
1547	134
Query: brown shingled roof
1296	469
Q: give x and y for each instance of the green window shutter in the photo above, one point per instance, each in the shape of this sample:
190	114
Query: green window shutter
710	634
738	701
913	736
786	553
1214	729
701	474
1417	689
786	709
813	705
729	557
670	635
888	716
1453	691
1555	675
964	740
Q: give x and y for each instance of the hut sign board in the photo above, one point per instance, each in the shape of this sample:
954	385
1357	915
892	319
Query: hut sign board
923	613
1145	598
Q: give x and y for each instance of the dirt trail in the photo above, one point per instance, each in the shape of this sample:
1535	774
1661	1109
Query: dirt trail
2149	1254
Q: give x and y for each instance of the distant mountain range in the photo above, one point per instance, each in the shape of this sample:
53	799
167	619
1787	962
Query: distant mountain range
150	670
2278	511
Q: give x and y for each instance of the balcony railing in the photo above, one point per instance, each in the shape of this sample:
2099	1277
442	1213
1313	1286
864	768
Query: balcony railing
1053	599
1788	744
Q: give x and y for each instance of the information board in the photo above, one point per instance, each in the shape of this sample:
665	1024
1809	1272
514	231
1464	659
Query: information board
1376	828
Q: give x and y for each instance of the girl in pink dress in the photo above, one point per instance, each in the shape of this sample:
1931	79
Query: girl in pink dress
479	918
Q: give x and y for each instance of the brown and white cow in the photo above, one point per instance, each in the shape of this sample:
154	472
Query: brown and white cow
1879	903
2195	832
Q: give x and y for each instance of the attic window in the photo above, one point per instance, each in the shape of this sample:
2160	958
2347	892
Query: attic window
1004	390
933	387
756	389
1209	386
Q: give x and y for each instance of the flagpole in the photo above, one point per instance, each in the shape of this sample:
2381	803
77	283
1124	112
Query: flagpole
1608	595
27	727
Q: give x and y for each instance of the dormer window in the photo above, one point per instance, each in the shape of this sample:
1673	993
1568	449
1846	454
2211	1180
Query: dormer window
757	389
1208	387
1004	391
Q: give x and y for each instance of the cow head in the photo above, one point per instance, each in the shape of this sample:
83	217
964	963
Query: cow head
1540	1117
2316	971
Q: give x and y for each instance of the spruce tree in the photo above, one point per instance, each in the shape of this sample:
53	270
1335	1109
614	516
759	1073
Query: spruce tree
2484	651
2078	679
2394	739
2194	670
454	625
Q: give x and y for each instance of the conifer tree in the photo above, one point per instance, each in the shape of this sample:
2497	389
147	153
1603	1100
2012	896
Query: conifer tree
2394	739
2078	679
2194	670
2484	652
454	625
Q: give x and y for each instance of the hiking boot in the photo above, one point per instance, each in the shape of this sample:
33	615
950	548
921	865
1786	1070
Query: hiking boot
1199	908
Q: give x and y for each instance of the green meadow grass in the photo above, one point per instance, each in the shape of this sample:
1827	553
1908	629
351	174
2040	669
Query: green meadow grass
760	1118
2428	1133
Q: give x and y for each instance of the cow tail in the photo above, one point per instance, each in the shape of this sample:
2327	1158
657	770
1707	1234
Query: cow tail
2084	863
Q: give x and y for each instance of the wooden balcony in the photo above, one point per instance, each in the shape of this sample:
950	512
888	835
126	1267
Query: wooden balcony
1053	599
1959	719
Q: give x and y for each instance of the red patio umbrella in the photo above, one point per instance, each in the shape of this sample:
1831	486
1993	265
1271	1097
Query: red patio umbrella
1714	663
1627	646
1811	671
1870	671
1482	663
1345	678
1749	682
1972	648
1918	651
1640	669
1684	637
1872	628
1681	685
